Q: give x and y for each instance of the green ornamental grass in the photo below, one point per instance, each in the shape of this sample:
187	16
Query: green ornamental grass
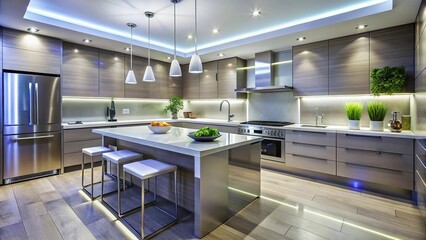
354	110
377	111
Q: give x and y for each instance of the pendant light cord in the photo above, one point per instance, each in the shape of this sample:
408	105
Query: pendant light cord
196	31
174	28
149	41
131	48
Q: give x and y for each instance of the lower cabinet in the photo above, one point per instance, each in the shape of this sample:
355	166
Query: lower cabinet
376	159
74	141
313	151
420	175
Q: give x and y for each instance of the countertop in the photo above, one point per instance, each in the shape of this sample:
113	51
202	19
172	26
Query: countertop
345	129
176	140
146	121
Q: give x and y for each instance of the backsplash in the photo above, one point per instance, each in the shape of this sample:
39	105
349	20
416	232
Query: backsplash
334	112
275	106
210	109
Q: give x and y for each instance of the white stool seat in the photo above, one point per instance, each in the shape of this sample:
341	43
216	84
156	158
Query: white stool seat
95	151
121	156
148	168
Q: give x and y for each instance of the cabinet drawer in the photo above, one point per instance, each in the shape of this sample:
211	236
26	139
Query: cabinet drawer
80	134
318	138
393	161
310	163
393	178
73	147
375	143
311	150
72	159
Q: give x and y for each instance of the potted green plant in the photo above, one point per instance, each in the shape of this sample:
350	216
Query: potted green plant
354	111
387	80
175	104
377	113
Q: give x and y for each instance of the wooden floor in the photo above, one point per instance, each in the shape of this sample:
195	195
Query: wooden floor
290	208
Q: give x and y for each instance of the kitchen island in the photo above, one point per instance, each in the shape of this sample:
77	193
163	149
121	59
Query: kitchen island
216	179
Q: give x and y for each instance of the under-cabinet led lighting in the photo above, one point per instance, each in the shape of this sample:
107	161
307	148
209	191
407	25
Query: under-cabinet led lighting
215	101
245	68
282	62
101	99
400	96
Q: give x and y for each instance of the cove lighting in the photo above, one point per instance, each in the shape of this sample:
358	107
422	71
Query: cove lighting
101	99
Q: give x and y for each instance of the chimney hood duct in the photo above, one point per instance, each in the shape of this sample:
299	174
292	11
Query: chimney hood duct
264	75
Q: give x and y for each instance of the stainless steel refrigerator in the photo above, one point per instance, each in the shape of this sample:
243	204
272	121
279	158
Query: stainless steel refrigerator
31	126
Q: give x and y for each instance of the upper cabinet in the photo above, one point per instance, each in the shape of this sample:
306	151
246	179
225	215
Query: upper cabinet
209	81
342	66
111	74
169	86
140	89
349	71
229	78
191	83
23	51
80	74
394	47
310	69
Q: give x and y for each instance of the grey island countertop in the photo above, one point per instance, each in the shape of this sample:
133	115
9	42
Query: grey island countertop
176	140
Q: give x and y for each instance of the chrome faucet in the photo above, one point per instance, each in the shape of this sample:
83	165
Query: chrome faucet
318	116
230	116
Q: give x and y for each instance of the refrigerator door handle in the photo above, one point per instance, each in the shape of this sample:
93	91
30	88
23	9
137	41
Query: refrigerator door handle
36	104
30	92
30	138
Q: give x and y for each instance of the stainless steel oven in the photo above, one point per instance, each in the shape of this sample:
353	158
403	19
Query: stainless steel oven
273	144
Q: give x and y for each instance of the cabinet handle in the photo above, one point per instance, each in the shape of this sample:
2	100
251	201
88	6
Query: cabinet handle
355	135
386	169
424	183
364	150
322	159
421	162
30	138
308	132
308	144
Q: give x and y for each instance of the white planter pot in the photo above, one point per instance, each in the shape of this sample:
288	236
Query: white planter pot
376	125
354	124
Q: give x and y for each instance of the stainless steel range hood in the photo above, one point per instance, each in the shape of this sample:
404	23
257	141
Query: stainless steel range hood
264	75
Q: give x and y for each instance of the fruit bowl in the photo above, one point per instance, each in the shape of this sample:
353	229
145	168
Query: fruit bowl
159	130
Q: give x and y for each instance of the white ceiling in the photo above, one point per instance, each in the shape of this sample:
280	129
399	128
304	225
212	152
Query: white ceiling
280	22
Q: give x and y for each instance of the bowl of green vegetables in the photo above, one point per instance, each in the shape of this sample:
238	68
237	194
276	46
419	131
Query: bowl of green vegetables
205	134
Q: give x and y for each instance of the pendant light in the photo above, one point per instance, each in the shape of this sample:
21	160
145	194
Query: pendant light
148	76
175	70
195	66
131	79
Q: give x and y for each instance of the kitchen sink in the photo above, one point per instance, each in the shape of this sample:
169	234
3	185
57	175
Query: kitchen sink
315	126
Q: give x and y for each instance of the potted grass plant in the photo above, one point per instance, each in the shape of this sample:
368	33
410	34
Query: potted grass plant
175	104
376	113
353	112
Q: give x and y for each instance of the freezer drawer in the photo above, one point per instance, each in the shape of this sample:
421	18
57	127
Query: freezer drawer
26	154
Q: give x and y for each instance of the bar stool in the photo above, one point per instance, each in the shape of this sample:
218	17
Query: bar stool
147	169
91	152
119	158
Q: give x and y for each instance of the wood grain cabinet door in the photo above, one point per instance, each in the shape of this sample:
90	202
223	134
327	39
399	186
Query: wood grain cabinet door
23	51
191	84
208	81
310	69
349	67
229	78
394	47
111	74
80	73
169	86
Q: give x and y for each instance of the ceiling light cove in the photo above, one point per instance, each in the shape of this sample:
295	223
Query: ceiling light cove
275	22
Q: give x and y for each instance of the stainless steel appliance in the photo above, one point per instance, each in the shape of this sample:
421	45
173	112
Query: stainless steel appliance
31	126
273	145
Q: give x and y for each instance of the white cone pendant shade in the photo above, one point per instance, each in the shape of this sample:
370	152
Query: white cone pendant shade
175	70
130	79
195	66
148	76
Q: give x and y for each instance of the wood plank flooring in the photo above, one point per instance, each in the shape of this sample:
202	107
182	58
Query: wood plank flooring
289	208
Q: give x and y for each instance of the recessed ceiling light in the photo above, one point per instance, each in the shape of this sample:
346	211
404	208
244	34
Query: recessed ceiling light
87	40
169	58
127	49
221	54
116	58
361	26
216	30
255	13
33	30
76	50
300	39
189	36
